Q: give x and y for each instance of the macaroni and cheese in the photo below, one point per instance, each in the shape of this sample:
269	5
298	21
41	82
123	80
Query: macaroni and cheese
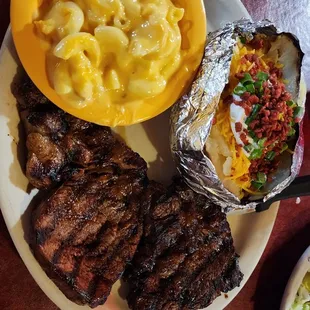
111	51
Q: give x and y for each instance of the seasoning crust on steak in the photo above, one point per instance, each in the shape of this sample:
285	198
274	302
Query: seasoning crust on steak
186	256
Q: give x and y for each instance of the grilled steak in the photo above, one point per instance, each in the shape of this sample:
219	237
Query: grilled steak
88	230
60	145
186	256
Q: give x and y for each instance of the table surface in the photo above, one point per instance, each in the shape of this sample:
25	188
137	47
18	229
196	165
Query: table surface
291	233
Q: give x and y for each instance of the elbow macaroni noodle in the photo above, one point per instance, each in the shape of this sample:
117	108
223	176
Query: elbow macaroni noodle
112	51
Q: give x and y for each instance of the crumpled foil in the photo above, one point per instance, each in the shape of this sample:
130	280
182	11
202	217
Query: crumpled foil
192	117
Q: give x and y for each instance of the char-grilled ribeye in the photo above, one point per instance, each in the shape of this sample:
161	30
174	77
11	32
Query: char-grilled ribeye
186	256
60	145
88	230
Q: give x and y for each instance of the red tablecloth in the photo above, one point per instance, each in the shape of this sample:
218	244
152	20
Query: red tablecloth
291	234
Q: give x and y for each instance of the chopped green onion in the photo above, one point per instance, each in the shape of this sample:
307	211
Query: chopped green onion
259	86
291	132
298	111
257	185
262	76
291	103
254	113
253	136
284	147
247	79
271	155
249	148
257	153
250	88
243	40
261	142
261	177
239	90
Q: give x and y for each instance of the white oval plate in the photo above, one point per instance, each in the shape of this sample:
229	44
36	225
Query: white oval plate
150	139
293	284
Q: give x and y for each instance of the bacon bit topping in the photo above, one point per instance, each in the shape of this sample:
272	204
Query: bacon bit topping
238	127
240	75
253	99
257	44
273	122
243	138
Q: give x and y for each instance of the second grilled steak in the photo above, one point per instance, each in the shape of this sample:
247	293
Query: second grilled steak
186	256
88	230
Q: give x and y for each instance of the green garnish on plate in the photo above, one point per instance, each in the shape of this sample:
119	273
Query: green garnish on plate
302	300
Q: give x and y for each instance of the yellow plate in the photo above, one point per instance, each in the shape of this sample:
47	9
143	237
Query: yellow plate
33	58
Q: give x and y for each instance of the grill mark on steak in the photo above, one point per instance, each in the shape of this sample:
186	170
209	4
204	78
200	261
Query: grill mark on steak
68	260
187	271
167	266
87	233
196	257
82	208
121	256
206	277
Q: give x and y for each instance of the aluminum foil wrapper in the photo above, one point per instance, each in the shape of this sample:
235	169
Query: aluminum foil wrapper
192	117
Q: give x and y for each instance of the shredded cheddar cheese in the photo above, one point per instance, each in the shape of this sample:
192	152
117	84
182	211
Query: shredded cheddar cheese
240	163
